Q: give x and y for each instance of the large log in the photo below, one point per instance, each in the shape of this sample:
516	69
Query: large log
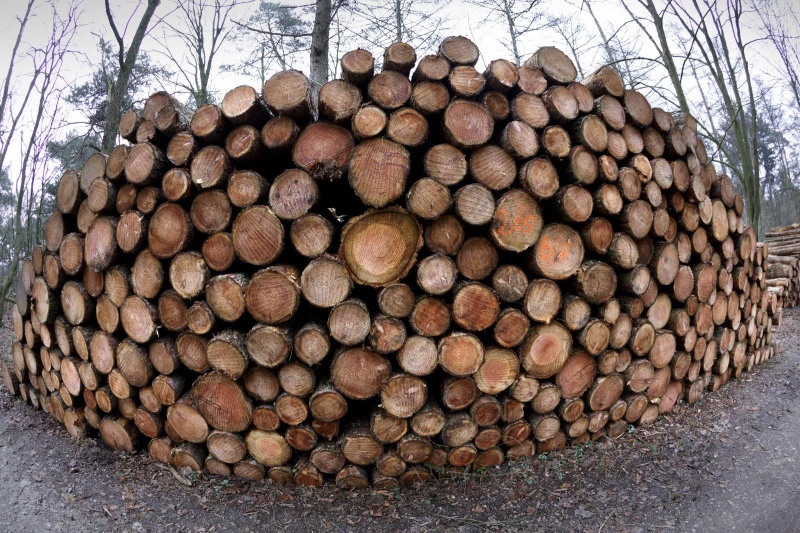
568	263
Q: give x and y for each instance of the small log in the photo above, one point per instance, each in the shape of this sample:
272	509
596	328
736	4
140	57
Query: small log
445	163
292	194
546	349
557	254
180	150
605	392
268	448
76	304
605	80
531	110
459	51
459	393
358	67
460	354
128	124
349	322
188	274
119	434
429	98
475	307
556	66
467	124
511	327
378	171
539	178
323	150
428	199
358	373
389	90
246	188
360	447
517	221
403	395
596	282
519	140
145	164
498	372
279	134
418	356
273	295
288	93
325	282
257	235
407	127
597	235
243	105
465	81
371	268
474	204
369	121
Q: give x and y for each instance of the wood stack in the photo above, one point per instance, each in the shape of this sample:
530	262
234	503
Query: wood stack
783	281
440	272
783	275
784	240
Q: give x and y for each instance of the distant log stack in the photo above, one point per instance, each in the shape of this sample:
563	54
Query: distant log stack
783	274
445	270
784	240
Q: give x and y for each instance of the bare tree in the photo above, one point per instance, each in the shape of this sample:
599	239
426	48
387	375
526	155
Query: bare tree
7	130
717	30
518	17
203	27
780	193
379	23
46	87
574	35
780	26
324	13
622	50
660	42
708	128
126	59
273	35
320	39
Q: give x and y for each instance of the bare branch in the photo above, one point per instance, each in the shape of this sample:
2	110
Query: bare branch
117	36
271	33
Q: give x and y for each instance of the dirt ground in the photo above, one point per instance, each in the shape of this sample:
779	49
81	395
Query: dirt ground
728	463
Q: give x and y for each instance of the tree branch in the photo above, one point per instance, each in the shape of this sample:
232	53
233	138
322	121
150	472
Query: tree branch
117	36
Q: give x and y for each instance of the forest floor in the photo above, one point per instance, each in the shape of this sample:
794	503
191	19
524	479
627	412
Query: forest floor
727	463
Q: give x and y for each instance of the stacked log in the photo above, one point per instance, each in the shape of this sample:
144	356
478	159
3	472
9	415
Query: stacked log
783	282
784	240
783	275
423	274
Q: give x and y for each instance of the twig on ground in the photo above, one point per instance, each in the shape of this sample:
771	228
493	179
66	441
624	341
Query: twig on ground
605	521
175	473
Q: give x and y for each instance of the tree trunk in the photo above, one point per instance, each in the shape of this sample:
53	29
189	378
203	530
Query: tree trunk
320	37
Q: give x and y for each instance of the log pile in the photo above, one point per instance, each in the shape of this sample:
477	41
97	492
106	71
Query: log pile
783	275
784	240
428	272
783	282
